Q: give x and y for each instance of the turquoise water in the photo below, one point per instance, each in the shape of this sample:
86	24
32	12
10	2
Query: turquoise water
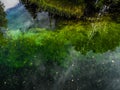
19	18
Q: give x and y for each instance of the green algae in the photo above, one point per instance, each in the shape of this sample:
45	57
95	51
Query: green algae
51	47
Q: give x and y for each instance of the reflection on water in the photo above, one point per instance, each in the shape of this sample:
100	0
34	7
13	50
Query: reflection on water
44	21
9	3
19	18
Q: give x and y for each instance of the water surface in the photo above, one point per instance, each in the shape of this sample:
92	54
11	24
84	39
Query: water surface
74	57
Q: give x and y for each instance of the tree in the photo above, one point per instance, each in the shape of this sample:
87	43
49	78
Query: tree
73	8
3	20
62	8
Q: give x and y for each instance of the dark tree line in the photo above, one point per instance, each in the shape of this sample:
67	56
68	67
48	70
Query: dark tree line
91	6
3	20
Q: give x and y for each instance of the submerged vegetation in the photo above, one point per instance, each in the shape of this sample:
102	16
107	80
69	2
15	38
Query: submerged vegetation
73	56
49	46
49	58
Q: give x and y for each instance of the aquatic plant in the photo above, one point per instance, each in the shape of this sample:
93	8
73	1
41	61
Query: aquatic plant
76	55
53	46
55	57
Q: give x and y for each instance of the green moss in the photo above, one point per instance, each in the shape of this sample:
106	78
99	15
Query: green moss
96	36
50	47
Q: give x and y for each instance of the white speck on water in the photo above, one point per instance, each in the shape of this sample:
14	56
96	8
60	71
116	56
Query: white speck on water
72	80
5	82
113	61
